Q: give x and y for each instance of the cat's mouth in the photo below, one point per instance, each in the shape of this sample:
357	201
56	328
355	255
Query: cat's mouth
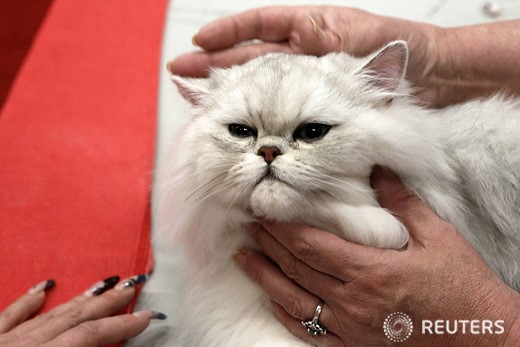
270	175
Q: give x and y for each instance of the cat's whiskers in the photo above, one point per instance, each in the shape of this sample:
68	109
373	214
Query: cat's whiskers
205	185
227	209
326	188
344	182
212	191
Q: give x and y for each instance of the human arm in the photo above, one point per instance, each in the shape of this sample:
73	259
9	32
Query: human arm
86	320
478	60
437	55
438	276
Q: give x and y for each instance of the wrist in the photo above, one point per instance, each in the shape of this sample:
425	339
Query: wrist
476	61
493	319
486	315
510	310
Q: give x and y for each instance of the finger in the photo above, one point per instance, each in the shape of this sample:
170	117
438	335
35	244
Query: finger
25	307
296	328
197	64
298	302
271	24
315	37
419	219
106	330
97	289
318	283
54	324
324	251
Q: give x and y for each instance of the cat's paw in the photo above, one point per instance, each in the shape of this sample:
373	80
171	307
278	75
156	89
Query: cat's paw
372	226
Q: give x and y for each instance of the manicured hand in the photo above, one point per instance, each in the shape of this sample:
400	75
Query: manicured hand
438	276
86	320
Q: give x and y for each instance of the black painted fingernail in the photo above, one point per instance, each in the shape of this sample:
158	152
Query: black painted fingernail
42	286
102	286
150	314
132	282
159	316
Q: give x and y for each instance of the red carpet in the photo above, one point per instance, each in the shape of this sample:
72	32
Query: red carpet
77	136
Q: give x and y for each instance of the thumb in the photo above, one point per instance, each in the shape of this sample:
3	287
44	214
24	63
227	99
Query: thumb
420	220
315	37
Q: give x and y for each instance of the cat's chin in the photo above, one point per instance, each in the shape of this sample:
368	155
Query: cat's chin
277	201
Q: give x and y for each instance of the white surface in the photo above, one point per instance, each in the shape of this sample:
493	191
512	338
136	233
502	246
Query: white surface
184	18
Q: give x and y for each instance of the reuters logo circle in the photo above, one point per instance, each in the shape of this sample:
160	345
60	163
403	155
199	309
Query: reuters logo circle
398	327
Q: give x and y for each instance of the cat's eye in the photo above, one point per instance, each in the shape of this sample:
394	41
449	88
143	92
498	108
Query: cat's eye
241	130
311	131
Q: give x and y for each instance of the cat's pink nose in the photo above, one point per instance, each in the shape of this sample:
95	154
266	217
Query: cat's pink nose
269	153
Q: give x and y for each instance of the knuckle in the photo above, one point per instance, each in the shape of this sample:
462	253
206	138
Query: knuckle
74	317
303	249
88	331
46	316
291	266
7	315
404	197
15	340
294	307
258	275
359	315
75	313
258	23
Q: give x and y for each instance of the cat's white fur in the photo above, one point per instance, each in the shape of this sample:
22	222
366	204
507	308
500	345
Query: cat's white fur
464	161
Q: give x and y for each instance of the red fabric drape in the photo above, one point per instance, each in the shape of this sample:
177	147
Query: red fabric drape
77	136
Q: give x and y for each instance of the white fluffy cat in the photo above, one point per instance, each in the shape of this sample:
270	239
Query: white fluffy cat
293	139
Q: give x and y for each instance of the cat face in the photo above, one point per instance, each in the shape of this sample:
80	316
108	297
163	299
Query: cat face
283	133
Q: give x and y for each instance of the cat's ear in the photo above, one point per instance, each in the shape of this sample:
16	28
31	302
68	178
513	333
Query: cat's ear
192	89
387	67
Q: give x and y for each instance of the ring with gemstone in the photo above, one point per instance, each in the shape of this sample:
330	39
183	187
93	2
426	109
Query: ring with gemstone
313	327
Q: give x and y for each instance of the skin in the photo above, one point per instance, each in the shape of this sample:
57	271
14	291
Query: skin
446	65
82	321
438	276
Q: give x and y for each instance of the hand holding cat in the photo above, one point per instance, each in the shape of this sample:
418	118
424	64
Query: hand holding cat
447	65
315	30
86	320
438	276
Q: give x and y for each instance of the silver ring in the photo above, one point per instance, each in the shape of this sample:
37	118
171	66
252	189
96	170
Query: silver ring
313	327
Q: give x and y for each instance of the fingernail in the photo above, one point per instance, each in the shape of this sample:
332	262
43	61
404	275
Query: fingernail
194	40
131	282
388	173
102	286
42	287
318	32
169	66
150	314
240	257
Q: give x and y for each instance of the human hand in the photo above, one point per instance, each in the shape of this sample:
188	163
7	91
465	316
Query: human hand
438	276
315	30
86	320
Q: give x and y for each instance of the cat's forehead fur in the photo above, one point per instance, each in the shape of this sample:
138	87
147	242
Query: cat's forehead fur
281	89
